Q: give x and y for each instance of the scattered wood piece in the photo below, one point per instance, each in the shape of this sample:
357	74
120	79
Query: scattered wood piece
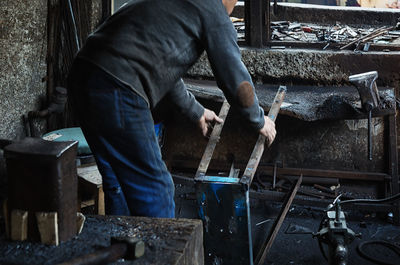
80	222
99	201
19	225
48	227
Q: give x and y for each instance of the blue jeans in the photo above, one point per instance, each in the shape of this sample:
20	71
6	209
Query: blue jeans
119	128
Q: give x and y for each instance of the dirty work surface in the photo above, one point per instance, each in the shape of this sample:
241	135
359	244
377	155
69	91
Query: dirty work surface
308	103
294	243
168	241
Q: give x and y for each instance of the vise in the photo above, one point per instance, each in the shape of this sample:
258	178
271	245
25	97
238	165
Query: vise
334	233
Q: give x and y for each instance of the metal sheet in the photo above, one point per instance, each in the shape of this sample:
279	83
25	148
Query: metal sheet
224	208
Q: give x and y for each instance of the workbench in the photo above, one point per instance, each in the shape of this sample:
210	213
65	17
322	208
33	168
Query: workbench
167	241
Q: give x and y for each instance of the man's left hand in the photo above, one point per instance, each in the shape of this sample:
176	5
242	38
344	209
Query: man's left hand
206	121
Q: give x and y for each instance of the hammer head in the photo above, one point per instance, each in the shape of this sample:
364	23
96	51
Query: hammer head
366	86
135	246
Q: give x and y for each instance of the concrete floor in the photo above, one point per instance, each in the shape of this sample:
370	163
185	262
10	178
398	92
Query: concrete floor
302	249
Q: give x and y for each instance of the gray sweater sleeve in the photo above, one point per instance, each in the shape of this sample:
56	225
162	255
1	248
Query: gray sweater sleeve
230	72
186	102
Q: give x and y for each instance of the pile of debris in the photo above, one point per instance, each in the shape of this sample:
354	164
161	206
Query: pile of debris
346	37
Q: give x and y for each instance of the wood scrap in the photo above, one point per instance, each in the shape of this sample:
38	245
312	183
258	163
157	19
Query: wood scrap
19	225
48	227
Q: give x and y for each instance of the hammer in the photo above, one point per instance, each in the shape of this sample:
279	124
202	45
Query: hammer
366	86
129	248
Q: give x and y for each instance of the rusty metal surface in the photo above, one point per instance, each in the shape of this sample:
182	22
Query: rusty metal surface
168	241
328	145
42	178
308	103
258	150
214	138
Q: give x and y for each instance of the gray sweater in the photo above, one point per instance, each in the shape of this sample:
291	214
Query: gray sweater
150	44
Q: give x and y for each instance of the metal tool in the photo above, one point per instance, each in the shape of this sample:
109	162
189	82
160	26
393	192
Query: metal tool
334	233
266	246
366	86
223	202
258	150
129	248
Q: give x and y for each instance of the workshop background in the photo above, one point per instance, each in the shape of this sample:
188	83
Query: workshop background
322	131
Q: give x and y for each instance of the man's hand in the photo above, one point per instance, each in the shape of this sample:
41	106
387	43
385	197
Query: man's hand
268	130
206	121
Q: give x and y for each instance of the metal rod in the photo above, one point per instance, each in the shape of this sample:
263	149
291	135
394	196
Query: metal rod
277	225
214	138
78	46
274	177
370	135
258	150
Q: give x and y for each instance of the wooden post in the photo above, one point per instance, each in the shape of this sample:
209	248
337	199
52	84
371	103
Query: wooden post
19	225
48	227
257	21
6	215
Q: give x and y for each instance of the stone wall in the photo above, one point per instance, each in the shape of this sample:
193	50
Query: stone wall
23	42
23	46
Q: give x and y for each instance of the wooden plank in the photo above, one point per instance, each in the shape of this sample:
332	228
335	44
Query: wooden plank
258	150
19	225
214	138
48	227
277	225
